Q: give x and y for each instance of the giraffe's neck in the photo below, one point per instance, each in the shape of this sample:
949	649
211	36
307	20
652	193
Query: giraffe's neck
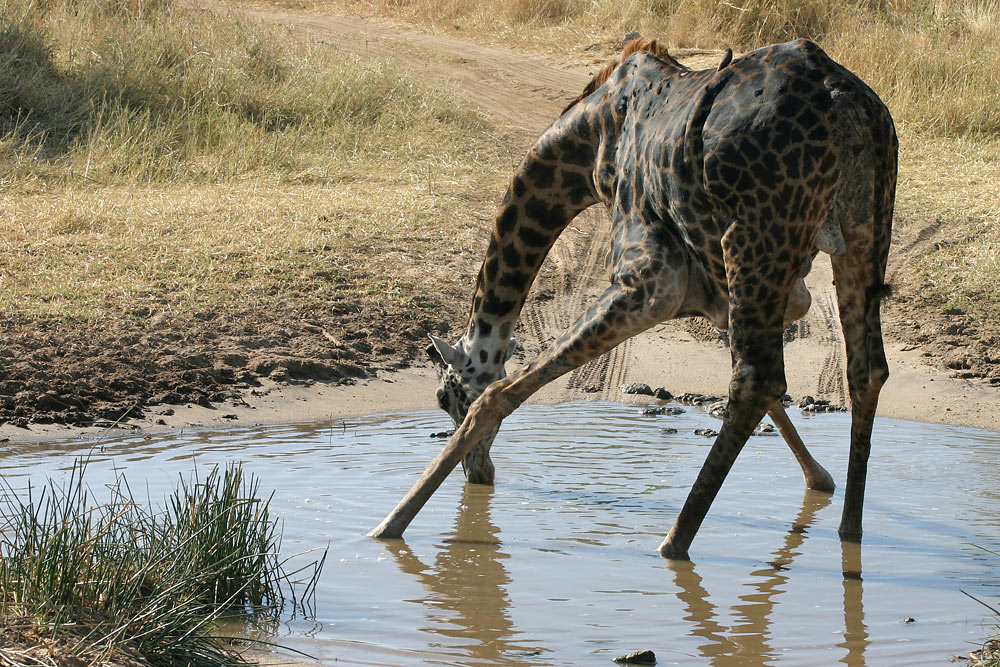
551	186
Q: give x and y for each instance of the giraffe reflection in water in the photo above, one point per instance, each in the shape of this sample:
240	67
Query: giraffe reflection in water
746	642
472	615
467	586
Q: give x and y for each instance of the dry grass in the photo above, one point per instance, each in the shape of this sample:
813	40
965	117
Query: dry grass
88	253
935	63
163	94
157	160
172	159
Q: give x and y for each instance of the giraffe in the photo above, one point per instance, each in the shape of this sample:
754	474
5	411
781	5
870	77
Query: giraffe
722	186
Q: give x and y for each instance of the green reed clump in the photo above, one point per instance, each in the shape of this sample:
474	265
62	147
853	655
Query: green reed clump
121	578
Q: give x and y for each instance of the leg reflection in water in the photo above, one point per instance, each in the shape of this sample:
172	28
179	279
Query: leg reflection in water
855	631
467	601
746	642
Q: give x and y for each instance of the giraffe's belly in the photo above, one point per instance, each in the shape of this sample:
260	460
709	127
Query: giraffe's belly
716	311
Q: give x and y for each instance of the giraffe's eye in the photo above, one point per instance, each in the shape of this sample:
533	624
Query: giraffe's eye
443	399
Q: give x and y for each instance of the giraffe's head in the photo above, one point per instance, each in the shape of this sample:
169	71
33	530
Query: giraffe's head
464	375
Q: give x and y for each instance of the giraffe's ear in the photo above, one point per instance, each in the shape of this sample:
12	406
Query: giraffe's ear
441	352
511	347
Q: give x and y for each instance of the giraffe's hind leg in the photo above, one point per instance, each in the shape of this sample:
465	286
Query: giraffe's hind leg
859	294
816	476
757	380
759	291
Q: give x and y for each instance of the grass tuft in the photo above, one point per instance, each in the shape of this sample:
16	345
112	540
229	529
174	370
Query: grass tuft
117	578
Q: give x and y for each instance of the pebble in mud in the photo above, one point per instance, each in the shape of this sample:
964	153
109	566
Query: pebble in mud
646	657
697	399
718	409
765	429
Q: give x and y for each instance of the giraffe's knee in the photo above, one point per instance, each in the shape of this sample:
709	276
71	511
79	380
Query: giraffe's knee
867	381
757	383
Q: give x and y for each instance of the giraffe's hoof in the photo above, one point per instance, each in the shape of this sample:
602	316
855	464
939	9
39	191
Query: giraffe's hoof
669	552
480	475
849	535
476	479
478	469
821	480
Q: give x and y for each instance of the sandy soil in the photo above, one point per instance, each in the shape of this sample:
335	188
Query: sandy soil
944	369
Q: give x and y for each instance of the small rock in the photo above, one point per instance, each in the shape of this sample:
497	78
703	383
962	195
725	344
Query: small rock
637	388
806	401
634	34
663	410
646	657
909	619
443	434
820	405
662	394
696	399
718	409
668	430
707	432
168	412
765	429
591	389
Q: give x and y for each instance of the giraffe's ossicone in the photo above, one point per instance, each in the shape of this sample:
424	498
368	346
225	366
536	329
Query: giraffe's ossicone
722	186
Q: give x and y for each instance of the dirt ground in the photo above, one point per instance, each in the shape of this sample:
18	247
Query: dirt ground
288	363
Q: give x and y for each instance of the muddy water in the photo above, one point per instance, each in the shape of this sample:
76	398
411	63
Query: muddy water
556	565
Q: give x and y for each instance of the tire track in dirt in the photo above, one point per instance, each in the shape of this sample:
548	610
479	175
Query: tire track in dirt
525	92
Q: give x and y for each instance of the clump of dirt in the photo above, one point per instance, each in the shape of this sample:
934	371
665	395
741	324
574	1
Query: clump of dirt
966	344
948	338
100	373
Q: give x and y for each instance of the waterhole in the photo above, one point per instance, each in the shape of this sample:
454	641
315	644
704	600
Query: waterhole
557	564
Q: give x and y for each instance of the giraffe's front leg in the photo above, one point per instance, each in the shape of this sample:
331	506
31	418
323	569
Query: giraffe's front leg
480	426
758	377
637	300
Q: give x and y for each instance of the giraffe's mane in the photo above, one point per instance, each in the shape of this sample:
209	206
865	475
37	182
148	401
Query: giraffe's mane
637	45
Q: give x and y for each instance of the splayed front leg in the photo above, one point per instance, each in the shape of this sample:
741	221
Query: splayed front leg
480	426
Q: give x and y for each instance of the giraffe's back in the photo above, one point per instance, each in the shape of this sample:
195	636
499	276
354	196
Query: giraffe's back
781	144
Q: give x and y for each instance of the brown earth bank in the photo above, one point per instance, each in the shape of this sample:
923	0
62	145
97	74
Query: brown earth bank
102	373
99	373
